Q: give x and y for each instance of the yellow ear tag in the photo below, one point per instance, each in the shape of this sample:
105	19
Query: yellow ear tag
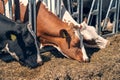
64	35
13	37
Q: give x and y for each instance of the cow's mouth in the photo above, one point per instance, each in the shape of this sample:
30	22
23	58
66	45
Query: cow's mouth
90	43
13	54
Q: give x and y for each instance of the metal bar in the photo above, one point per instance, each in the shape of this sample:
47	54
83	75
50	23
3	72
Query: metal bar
60	14
117	16
10	8
100	17
30	11
57	7
34	15
53	6
98	22
89	16
80	11
48	4
69	6
108	35
105	22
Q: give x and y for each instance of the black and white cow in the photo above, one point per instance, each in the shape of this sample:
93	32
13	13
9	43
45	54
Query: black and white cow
19	41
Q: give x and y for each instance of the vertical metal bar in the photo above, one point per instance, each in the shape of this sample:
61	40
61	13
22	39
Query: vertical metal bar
57	7
105	22
99	16
60	14
53	6
34	15
80	11
69	6
89	16
48	4
30	11
117	15
10	8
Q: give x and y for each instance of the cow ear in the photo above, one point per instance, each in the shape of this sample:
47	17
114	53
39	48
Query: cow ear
63	33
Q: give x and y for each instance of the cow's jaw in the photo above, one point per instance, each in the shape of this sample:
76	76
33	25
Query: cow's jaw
13	54
85	57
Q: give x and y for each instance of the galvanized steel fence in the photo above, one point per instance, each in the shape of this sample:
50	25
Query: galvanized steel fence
95	10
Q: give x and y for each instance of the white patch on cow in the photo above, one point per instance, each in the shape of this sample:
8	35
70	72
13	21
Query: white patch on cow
68	18
13	54
25	2
101	42
89	33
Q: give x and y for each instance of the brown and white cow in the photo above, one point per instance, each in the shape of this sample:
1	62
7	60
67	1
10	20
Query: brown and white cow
89	32
52	31
109	25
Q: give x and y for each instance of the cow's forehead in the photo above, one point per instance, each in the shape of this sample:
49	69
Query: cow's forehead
75	30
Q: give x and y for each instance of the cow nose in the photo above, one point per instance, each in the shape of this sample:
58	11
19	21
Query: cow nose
86	60
40	63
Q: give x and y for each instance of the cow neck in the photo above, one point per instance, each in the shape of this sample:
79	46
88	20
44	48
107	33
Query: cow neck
50	21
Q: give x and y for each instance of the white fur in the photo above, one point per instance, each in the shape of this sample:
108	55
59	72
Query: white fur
13	54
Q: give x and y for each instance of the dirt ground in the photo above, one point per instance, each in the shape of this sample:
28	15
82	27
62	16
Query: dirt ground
104	65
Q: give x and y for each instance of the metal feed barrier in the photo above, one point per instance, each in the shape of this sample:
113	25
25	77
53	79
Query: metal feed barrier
96	10
78	14
32	12
114	7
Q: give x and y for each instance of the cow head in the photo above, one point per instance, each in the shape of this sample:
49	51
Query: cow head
19	41
68	43
91	38
28	43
